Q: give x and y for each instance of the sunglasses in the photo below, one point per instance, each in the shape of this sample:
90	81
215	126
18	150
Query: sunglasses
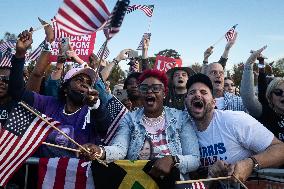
4	79
155	88
278	92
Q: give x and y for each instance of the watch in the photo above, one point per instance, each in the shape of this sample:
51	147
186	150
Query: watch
256	166
176	161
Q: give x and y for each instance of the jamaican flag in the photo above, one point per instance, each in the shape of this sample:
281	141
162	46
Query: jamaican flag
126	174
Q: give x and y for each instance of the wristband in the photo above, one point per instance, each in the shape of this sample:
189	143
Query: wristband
261	65
205	62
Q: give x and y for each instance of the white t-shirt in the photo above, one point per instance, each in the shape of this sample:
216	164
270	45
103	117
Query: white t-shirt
220	103
232	136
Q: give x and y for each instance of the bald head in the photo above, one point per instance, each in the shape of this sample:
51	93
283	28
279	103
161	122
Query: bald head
215	72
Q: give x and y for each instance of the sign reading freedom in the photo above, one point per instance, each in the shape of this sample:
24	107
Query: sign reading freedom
83	45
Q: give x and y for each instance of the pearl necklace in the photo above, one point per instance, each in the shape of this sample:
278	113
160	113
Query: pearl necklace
68	114
153	122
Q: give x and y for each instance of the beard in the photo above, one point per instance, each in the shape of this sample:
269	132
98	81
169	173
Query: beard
204	114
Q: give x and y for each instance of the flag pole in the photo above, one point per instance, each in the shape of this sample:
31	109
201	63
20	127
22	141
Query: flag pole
61	132
42	26
101	58
61	147
202	180
218	41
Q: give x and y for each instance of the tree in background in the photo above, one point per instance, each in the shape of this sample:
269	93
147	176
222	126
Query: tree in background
117	76
169	53
196	67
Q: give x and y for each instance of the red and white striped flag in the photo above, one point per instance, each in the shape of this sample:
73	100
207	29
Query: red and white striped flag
8	44
6	60
36	53
64	173
231	33
106	53
117	111
147	36
20	137
80	17
147	9
115	20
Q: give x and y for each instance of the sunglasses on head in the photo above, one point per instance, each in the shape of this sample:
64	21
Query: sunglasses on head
278	92
155	88
5	79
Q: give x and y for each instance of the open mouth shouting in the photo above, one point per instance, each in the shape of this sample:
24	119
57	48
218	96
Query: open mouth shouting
150	100
197	105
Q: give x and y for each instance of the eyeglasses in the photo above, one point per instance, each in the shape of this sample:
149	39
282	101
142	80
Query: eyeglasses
214	72
5	79
278	92
155	88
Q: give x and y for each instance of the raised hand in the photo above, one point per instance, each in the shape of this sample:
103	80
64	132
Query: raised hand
24	42
208	53
231	42
49	33
123	55
255	54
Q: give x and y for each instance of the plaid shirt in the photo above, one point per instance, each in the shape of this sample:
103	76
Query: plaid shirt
233	102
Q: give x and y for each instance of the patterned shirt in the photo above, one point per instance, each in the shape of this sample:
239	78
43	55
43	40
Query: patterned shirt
233	102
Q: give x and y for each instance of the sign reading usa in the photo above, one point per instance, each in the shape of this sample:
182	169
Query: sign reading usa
165	63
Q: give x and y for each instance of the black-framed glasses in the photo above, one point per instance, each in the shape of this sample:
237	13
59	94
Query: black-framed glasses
4	78
278	92
155	88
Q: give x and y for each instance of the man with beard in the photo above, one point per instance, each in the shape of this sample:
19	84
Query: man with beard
131	86
231	142
178	77
76	103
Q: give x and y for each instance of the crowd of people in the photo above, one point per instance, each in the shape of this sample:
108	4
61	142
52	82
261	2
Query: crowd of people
181	119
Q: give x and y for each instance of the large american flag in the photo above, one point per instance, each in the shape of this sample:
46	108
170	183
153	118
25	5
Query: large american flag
80	17
147	36
106	53
231	33
115	20
147	9
64	173
22	134
117	111
36	53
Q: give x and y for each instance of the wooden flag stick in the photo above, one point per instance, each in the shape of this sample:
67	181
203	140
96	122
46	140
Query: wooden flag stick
218	40
101	58
68	137
202	180
61	147
243	185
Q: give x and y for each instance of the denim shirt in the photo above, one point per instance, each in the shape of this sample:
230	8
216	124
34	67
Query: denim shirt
181	138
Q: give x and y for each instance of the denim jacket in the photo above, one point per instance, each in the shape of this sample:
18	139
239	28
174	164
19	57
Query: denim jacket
181	138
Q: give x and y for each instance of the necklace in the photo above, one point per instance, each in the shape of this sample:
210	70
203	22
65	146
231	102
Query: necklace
153	122
68	114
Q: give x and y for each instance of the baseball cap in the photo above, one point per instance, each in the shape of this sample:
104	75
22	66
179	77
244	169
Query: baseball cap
199	78
76	71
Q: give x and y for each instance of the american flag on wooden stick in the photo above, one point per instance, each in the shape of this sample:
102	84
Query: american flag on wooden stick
147	9
22	134
106	53
115	20
147	36
117	111
80	17
231	33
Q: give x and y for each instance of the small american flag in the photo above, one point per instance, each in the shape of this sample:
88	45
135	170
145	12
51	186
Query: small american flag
106	53
36	53
145	36
117	111
22	134
64	173
79	17
231	33
6	59
115	20
7	45
195	185
147	9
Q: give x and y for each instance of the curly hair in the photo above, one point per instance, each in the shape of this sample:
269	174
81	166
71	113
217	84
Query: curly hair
156	74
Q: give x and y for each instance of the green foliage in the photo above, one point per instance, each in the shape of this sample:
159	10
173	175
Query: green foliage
9	36
117	76
196	67
169	53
